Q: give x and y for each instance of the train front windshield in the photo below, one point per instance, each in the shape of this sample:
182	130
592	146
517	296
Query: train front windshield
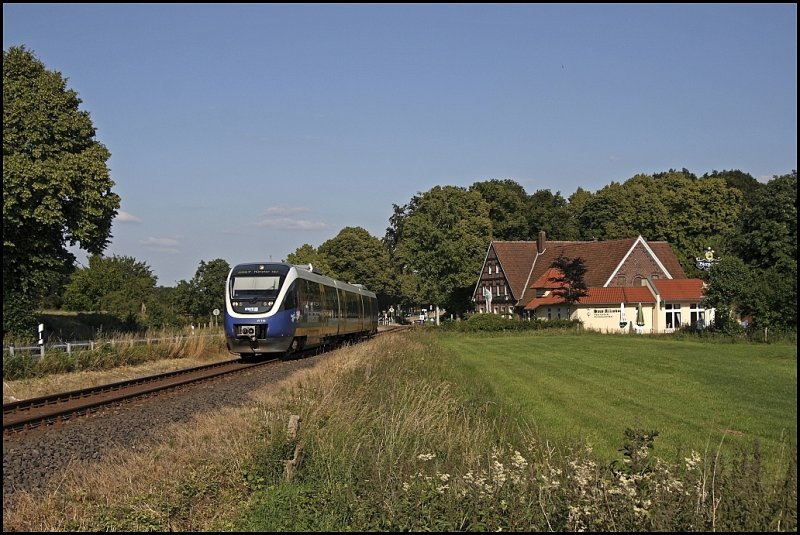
255	288
247	287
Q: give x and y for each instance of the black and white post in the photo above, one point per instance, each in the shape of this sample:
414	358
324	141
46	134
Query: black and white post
41	340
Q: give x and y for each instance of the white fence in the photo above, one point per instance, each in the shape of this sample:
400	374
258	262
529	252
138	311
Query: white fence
69	347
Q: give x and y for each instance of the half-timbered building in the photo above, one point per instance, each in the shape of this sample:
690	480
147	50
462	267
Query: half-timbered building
511	269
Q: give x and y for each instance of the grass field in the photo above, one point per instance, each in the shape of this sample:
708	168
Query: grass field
695	394
425	431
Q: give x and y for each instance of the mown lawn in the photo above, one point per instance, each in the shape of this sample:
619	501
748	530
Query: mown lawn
695	394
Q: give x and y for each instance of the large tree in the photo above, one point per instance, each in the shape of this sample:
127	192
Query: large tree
740	180
120	285
769	230
507	202
442	243
56	184
306	254
206	291
354	255
551	213
731	290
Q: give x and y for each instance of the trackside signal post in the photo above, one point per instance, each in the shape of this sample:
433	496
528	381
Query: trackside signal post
41	339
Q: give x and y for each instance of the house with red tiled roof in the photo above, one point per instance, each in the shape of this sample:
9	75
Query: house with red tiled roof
510	268
659	306
625	277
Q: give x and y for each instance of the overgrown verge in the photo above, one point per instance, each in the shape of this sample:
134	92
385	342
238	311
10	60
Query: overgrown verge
393	436
123	350
402	441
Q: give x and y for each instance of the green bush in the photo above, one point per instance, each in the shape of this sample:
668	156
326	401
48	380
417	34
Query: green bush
496	323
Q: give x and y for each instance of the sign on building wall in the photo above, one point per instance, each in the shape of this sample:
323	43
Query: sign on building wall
602	312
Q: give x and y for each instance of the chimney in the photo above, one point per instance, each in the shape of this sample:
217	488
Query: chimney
541	243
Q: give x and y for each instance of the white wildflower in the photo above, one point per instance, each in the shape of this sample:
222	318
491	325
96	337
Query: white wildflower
519	461
692	461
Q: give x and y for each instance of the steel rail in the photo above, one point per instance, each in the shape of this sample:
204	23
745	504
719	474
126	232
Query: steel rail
31	413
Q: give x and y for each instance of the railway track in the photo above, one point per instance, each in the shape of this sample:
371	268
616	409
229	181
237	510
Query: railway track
32	413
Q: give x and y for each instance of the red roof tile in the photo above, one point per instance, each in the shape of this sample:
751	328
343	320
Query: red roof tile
680	289
600	296
515	258
600	258
668	258
526	269
545	282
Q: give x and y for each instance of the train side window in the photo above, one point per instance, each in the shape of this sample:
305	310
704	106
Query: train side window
352	305
333	306
290	299
311	297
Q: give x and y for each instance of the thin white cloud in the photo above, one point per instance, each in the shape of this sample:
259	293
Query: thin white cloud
288	223
161	245
286	210
125	217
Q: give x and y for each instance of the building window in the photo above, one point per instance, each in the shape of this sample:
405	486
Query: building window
673	315
697	316
621	280
549	314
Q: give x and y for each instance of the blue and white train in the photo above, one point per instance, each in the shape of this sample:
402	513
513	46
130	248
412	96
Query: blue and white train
284	308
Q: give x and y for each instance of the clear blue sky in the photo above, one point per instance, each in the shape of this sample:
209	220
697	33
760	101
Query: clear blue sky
243	131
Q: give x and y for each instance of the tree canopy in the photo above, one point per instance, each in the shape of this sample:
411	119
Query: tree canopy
206	291
445	232
355	256
507	208
116	284
56	184
769	229
307	254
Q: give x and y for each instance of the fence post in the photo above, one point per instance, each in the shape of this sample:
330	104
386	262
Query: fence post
69	348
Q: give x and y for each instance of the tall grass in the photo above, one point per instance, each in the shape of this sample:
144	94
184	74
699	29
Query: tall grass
118	350
401	439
